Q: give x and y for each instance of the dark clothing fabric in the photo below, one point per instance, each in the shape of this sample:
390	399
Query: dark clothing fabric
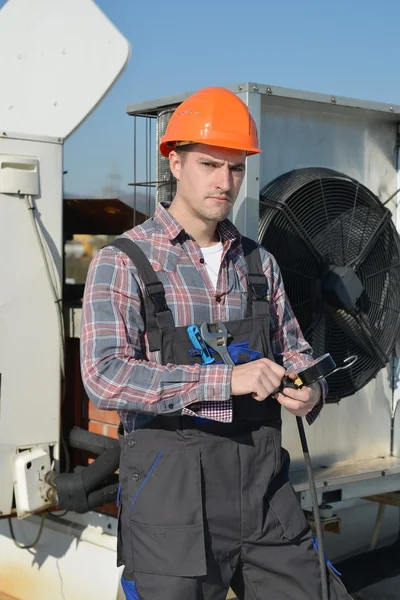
207	504
203	511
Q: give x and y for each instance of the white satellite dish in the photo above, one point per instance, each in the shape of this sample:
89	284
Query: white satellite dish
58	58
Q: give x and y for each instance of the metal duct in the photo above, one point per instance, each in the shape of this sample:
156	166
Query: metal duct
165	182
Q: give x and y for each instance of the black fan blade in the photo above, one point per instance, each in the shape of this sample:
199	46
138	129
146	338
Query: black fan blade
358	329
371	242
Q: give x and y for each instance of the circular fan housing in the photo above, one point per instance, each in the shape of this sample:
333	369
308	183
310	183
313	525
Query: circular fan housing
339	253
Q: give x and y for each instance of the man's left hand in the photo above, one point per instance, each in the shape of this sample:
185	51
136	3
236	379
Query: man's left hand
300	402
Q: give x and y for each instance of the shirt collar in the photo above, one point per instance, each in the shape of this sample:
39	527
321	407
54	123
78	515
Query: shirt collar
172	229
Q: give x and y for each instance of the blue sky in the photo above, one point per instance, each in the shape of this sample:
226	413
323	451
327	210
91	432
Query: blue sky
346	47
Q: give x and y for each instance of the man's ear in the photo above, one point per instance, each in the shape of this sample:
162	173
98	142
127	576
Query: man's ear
175	164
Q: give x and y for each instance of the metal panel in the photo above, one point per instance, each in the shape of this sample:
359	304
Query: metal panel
302	129
70	562
388	111
29	328
246	209
355	479
295	134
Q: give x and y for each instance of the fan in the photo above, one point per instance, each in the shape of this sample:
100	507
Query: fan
339	253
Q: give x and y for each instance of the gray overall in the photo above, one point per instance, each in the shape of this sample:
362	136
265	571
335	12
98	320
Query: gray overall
207	505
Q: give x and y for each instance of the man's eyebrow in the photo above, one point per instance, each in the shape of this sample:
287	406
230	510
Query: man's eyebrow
218	161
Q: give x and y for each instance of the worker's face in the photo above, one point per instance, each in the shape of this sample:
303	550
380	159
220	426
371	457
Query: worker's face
209	179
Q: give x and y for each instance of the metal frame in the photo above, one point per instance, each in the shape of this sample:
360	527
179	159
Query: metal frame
12	135
149	107
351	475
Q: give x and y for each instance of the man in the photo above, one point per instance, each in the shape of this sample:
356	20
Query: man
205	500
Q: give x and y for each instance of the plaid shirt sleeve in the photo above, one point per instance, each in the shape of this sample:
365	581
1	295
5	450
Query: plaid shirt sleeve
114	373
289	347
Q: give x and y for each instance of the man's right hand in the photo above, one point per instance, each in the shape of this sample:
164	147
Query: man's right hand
260	378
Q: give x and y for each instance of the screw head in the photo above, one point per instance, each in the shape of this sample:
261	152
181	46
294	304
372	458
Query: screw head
333	99
255	88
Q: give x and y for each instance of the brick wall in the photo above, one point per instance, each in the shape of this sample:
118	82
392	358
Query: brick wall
104	422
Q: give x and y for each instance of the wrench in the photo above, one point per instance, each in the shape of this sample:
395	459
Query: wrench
217	340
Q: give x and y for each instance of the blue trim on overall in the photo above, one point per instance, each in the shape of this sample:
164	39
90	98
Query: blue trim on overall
146	478
130	590
328	562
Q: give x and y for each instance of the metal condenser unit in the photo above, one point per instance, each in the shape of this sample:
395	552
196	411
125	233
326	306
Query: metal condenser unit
166	183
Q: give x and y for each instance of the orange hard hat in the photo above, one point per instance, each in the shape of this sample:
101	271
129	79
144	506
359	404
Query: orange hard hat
213	116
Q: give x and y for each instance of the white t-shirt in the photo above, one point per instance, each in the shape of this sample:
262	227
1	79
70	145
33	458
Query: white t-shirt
212	257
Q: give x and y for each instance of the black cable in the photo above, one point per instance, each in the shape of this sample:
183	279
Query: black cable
317	517
36	540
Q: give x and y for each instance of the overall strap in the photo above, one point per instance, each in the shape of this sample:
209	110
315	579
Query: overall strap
257	303
158	315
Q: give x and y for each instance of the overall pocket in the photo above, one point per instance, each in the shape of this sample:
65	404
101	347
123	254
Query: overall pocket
288	513
166	512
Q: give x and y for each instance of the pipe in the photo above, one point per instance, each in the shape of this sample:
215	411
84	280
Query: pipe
74	489
91	442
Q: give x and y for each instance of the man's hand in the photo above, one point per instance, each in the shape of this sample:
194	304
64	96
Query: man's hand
259	378
299	402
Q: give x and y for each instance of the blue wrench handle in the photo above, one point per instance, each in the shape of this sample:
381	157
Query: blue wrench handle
197	340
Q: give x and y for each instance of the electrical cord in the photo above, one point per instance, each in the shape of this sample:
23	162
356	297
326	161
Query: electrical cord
51	275
52	278
317	516
36	540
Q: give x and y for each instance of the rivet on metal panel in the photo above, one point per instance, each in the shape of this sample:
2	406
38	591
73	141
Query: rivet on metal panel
333	99
255	88
240	87
391	108
269	91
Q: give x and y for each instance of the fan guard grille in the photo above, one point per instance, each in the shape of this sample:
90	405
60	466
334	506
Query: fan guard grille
314	219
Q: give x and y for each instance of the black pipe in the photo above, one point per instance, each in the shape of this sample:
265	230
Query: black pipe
91	442
104	496
73	489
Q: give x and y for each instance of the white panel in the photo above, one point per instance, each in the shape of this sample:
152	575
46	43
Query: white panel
396	362
357	428
30	468
66	564
296	134
59	58
19	175
245	213
29	329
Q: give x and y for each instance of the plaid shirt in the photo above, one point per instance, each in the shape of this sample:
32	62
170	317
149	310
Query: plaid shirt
118	370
